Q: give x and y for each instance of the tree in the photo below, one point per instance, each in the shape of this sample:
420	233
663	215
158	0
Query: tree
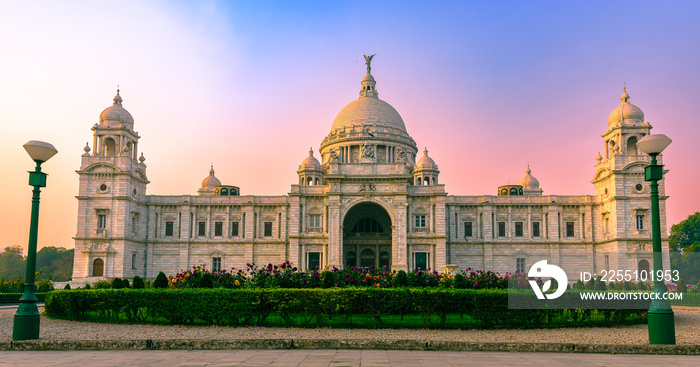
686	233
137	283
55	263
12	263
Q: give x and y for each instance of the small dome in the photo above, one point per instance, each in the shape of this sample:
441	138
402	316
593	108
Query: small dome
211	181
368	78
310	163
426	162
626	111
528	182
116	114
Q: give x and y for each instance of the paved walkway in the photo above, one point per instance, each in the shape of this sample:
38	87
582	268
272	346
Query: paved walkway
339	358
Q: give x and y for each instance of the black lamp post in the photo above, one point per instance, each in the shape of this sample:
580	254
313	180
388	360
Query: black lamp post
661	325
26	322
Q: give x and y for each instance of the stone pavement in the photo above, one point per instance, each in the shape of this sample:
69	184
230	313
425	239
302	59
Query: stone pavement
325	357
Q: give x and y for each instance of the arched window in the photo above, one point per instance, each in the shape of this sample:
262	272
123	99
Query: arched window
316	181
110	148
367	225
233	192
427	180
520	191
513	191
643	266
504	192
224	191
632	146
98	268
309	181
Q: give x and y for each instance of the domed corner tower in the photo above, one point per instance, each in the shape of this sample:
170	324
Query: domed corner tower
624	212
109	241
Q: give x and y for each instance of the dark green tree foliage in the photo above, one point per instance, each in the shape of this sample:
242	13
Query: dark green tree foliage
87	286
612	286
161	281
401	279
67	287
117	283
641	286
578	285
686	233
590	285
137	283
55	263
12	263
626	286
125	283
600	285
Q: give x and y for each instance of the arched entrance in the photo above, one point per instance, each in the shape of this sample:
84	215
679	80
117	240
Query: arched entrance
643	268
367	236
98	268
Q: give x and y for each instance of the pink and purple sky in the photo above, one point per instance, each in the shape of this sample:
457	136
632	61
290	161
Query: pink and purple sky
249	86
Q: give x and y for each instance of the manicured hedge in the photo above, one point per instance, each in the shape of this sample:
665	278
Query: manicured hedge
299	307
14	297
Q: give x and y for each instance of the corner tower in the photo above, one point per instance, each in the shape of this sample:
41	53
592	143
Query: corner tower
625	213
111	211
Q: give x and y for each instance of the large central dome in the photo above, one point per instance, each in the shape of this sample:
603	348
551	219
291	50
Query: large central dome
368	110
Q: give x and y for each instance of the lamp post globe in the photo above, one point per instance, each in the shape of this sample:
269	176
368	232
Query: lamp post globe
660	315
26	321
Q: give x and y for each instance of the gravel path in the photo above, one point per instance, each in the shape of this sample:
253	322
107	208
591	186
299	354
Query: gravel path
687	332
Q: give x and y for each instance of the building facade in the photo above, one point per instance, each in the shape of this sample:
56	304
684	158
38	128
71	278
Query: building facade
371	198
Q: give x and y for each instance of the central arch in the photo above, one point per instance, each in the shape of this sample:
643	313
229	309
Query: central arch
367	231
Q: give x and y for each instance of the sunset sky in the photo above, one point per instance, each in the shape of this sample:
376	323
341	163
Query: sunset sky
249	86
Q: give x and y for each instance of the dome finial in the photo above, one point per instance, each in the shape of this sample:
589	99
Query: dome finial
117	99
211	171
311	151
625	98
369	88
425	151
528	169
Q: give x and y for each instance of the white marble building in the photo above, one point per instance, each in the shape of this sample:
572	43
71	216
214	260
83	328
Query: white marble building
370	198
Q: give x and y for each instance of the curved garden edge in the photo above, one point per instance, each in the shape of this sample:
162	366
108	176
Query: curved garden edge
433	345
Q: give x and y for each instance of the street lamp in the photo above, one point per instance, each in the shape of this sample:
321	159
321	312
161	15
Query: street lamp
661	326
26	323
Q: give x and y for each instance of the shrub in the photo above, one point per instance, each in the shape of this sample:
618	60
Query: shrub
117	283
102	284
161	281
590	285
612	286
137	283
207	281
641	286
401	279
87	286
125	283
459	281
578	285
681	287
328	279
626	286
67	287
600	284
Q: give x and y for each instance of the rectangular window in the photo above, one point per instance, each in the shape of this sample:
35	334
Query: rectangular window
218	229
268	229
606	228
535	229
467	229
101	221
168	229
520	265
133	224
518	229
215	264
234	229
133	261
501	229
569	229
202	230
420	221
313	260
314	223
420	261
640	222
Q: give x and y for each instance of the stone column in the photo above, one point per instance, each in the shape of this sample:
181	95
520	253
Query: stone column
335	233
